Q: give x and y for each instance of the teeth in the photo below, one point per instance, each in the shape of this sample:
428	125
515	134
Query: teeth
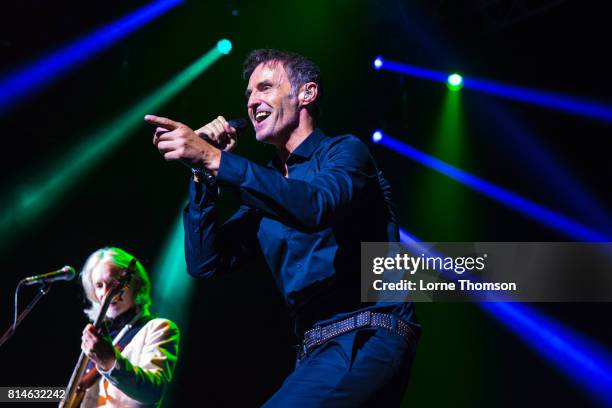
261	115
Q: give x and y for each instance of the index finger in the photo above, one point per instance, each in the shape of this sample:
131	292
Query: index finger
162	122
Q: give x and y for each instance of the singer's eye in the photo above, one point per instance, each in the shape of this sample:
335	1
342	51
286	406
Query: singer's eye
264	86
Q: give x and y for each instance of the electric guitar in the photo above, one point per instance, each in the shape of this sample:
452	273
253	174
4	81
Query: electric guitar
75	391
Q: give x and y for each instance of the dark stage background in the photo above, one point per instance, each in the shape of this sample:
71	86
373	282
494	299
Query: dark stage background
237	337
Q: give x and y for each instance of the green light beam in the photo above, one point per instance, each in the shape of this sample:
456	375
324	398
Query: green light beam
445	213
172	290
444	207
29	201
172	285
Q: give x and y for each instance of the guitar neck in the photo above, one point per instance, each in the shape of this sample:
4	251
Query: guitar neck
72	399
73	395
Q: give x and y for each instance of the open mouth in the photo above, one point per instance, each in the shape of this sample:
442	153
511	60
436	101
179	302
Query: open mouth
261	116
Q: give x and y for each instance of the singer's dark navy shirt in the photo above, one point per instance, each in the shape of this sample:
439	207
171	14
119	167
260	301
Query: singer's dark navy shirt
308	226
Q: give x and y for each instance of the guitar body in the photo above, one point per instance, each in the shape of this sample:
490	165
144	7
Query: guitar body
74	399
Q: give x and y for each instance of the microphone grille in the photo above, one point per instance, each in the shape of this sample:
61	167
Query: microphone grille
69	270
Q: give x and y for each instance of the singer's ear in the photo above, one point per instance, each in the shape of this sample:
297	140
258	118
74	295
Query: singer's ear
309	93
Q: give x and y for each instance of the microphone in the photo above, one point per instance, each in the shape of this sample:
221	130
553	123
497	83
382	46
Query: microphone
240	124
66	273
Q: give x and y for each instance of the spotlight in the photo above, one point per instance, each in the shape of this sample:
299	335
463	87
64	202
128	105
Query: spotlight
454	82
377	136
378	63
224	46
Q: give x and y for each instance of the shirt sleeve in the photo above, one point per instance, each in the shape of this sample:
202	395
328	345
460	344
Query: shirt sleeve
392	223
210	247
147	381
346	171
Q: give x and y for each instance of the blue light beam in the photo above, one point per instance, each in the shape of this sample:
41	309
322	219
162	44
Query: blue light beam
518	140
582	360
551	100
407	237
22	82
527	207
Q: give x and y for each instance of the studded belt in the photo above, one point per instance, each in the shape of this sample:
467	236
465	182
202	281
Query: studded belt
320	334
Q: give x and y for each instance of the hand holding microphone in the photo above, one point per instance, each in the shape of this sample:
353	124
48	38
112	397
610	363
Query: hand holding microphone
221	133
197	149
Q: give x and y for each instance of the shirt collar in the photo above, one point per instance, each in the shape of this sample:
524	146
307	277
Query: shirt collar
308	145
304	150
116	324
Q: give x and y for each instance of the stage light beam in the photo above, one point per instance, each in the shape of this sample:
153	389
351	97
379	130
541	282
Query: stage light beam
172	288
537	212
172	285
551	100
582	360
443	207
26	80
28	202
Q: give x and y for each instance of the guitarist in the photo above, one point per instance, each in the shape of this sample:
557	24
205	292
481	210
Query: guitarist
132	361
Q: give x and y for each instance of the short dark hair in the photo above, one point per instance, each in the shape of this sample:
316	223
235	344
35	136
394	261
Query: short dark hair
300	69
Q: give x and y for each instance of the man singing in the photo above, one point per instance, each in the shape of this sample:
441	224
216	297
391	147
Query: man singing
307	212
137	358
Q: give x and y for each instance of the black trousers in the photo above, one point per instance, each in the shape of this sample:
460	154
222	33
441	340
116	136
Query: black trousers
366	367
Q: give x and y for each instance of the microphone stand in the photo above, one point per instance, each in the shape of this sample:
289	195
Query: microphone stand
42	290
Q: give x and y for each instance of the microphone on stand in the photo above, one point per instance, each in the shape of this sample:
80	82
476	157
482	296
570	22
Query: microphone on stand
67	273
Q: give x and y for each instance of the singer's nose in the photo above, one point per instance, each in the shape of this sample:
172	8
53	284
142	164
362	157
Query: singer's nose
253	103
